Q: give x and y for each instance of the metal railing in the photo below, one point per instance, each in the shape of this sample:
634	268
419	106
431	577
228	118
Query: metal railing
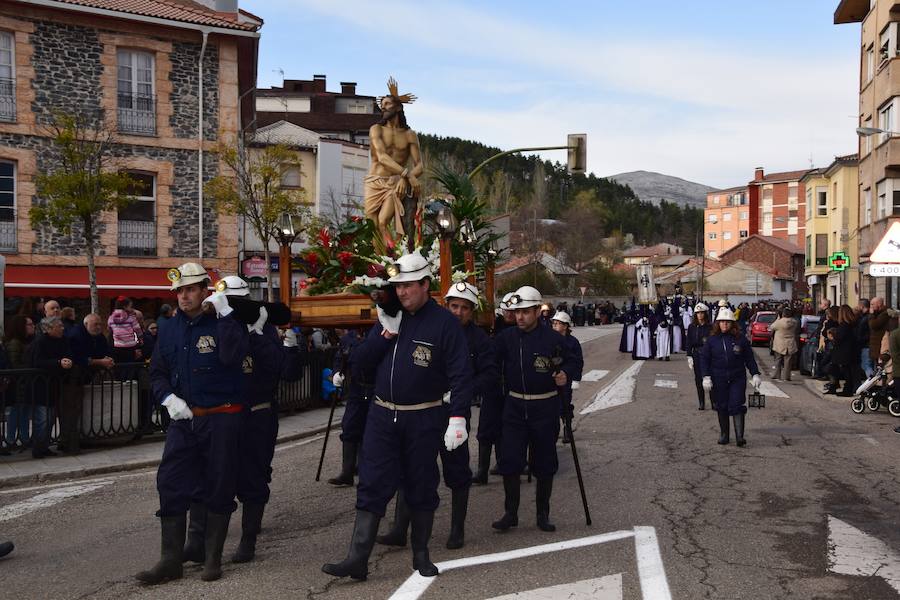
137	113
40	407
7	99
8	242
137	238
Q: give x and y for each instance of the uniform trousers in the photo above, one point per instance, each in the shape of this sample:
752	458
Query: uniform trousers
455	464
202	454
353	421
490	419
400	446
257	448
698	378
730	396
534	423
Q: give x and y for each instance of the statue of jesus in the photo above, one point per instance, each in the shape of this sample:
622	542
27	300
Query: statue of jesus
392	183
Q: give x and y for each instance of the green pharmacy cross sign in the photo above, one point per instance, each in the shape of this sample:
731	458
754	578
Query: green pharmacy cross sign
839	261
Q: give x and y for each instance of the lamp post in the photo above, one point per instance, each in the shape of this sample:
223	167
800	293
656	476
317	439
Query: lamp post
492	254
468	238
286	234
446	224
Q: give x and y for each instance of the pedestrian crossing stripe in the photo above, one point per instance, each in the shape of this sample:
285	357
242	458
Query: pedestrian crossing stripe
666	383
599	588
594	375
770	390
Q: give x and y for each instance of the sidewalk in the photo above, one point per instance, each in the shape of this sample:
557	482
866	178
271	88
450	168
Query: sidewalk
21	469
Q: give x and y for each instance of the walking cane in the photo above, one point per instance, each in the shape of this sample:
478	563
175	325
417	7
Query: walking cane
334	401
587	512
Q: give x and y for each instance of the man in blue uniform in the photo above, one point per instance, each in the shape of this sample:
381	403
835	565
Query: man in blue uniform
358	389
196	374
536	363
418	356
562	324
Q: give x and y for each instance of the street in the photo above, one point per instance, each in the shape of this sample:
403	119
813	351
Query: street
808	509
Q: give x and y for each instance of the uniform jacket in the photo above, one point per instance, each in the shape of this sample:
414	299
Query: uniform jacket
125	329
527	359
784	335
427	358
483	361
725	357
266	364
200	360
697	335
574	347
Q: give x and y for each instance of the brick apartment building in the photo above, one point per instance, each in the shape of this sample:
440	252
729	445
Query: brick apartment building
786	260
139	65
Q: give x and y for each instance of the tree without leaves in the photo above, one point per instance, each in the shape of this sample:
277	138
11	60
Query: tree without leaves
83	186
254	191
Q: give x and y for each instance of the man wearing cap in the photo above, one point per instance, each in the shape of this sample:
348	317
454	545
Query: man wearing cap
698	332
268	362
418	356
536	363
562	324
196	374
505	317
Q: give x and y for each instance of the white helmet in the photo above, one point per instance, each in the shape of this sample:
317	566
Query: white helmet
725	314
232	285
410	267
563	317
525	297
701	308
504	304
463	290
187	274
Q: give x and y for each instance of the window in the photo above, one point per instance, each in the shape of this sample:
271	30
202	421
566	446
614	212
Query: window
740	199
726	235
743	233
713	254
886	43
713	218
793	225
793	203
712	235
886	120
767	223
881	201
808	250
821	249
726	216
809	203
137	221
821	201
7	77
783	285
715	199
136	102
867	206
7	206
870	63
744	215
291	178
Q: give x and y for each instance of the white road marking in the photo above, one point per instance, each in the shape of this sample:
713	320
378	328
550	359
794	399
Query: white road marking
589	334
600	588
871	440
767	388
594	375
302	442
853	552
665	383
620	391
48	499
652	575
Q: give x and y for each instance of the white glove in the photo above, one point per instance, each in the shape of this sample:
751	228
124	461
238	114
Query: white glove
390	324
338	379
446	398
456	433
755	381
219	301
290	339
707	383
690	363
257	327
178	408
576	385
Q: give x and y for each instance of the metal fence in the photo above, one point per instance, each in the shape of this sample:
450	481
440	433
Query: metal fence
111	404
137	113
7	99
8	240
137	238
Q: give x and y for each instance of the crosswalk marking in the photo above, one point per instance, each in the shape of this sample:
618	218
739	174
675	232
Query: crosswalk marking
665	383
599	588
48	499
769	389
620	391
594	375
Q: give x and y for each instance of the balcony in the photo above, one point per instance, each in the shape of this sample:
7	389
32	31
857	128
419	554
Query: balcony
8	236
137	238
137	113
7	99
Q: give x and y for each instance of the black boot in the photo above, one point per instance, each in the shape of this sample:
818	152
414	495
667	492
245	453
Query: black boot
194	550
484	463
396	535
169	565
739	430
6	548
356	565
701	396
723	427
348	465
459	508
422	522
494	471
543	490
510	516
216	532
251	524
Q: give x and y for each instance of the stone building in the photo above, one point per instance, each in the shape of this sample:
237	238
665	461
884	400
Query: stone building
782	257
155	70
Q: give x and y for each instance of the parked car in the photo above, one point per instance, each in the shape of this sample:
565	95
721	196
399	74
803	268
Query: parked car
808	357
758	331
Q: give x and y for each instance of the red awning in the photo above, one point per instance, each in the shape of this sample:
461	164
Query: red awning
72	282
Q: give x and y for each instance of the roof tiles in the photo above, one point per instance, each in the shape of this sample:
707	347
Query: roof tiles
185	11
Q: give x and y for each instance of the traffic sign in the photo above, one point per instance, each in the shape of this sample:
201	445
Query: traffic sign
884	270
839	260
888	249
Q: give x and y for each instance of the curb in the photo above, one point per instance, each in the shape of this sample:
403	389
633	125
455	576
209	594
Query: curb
136	465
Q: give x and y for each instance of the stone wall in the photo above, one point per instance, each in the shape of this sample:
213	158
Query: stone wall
184	90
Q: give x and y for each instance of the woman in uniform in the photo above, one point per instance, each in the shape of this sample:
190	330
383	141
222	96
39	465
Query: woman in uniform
698	332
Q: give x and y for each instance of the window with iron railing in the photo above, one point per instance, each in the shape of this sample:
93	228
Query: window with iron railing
7	77
136	102
8	206
137	221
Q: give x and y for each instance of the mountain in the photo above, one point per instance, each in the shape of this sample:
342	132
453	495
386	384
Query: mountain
653	187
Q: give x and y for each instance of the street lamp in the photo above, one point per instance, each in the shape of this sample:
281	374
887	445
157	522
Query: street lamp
446	224
286	233
468	238
492	254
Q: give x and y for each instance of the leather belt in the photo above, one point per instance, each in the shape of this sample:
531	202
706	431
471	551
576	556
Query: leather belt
533	396
403	407
262	406
222	409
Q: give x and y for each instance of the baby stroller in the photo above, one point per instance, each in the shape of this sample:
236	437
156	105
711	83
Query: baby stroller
875	392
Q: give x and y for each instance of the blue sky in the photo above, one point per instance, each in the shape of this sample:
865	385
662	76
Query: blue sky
701	90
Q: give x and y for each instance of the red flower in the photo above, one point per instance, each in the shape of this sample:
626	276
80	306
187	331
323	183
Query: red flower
356	218
324	237
304	284
374	270
346	258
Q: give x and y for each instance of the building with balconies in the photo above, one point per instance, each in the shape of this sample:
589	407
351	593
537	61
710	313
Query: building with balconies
172	80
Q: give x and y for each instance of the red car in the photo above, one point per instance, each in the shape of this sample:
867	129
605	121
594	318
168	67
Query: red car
759	326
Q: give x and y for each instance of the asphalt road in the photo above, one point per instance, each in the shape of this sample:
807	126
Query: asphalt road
674	514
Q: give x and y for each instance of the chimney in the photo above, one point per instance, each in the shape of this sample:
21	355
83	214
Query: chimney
758	175
319	84
226	6
348	88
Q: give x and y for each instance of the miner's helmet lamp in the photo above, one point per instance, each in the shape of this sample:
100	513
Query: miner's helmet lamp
463	290
524	297
232	285
187	274
409	268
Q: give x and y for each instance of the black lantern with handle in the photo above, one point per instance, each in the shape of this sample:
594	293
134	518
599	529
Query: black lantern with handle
756	400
